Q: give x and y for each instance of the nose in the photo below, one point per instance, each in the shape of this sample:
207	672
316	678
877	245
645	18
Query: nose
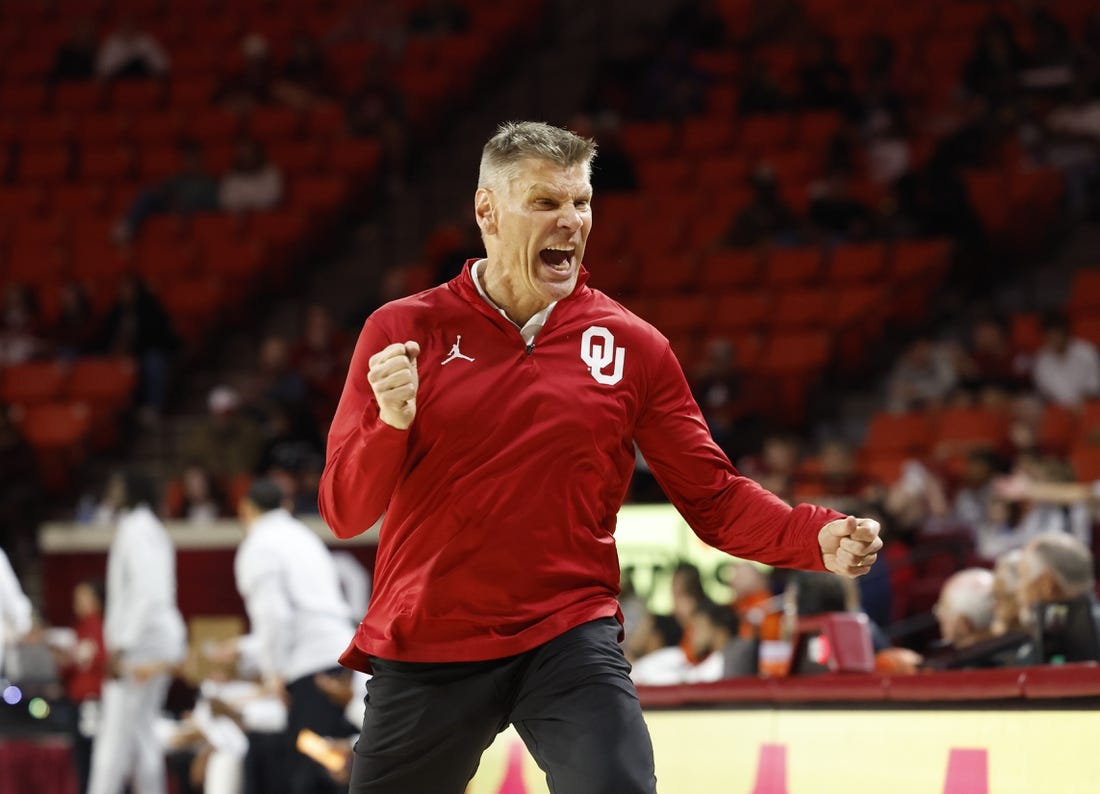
570	218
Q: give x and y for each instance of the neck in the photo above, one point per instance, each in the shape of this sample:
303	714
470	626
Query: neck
503	292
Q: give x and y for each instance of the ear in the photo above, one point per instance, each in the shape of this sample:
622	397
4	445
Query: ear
485	211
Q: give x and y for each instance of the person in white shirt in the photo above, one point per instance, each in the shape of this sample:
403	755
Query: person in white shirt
252	183
130	52
299	621
15	609
1067	370
146	640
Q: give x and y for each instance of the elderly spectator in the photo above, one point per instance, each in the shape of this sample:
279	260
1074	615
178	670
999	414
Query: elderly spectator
1067	370
227	443
922	378
1057	578
191	189
252	182
75	58
965	607
130	52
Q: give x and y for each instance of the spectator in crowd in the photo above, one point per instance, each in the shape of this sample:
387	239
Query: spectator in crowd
305	77
16	616
20	325
758	610
717	644
836	213
776	465
137	325
887	149
192	189
839	477
824	82
974	498
145	639
75	58
438	18
923	377
1070	142
688	597
990	368
83	666
1056	567
767	218
1006	583
227	444
252	183
717	386
965	607
202	501
253	84
1067	369
74	331
615	172
276	384
130	52
992	70
322	356
655	651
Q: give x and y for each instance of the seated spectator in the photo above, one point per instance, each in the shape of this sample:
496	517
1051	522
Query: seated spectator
305	77
287	445
252	184
1070	142
1057	579
923	377
688	597
276	382
839	477
654	652
227	443
992	70
75	58
203	503
824	82
974	497
253	84
438	18
990	364
20	326
917	502
888	149
716	387
716	642
74	331
767	218
965	608
130	52
1067	370
137	325
192	189
838	215
776	465
322	356
758	610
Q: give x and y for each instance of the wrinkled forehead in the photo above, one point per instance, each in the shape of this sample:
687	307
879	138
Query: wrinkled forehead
534	175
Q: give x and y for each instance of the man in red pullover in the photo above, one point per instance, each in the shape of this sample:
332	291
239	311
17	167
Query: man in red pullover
493	420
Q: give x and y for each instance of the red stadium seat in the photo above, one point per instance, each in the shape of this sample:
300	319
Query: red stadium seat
191	92
1086	463
797	352
77	200
648	139
1058	429
705	136
613	275
160	128
1087	327
790	267
764	133
920	259
78	97
47	164
194	306
898	433
22	98
57	431
680	315
274	124
325	121
813	131
100	129
109	163
660	274
728	171
800	308
54	129
855	263
883	468
137	95
740	311
967	428
213	228
661	173
725	269
107	381
21	201
320	194
32	383
356	158
1085	292
1027	333
296	158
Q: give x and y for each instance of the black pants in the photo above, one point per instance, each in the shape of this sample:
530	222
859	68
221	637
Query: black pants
571	700
311	708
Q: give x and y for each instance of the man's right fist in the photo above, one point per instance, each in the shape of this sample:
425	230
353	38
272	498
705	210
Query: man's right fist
394	379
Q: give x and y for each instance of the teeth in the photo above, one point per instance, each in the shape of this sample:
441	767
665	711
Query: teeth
556	248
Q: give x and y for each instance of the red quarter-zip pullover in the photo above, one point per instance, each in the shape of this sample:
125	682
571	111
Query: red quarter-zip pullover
501	498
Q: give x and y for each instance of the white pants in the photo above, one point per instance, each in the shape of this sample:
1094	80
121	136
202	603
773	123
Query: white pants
126	747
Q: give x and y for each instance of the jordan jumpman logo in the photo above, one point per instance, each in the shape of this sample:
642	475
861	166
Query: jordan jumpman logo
455	353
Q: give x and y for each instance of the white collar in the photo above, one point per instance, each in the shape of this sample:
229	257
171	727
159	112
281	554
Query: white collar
532	327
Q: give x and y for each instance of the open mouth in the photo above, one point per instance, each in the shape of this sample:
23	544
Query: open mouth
558	259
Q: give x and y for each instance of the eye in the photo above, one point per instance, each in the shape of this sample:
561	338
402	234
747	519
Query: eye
581	204
545	202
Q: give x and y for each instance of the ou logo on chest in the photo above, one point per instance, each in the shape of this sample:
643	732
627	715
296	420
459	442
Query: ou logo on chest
598	351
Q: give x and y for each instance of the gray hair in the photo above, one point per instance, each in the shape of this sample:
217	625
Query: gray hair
1068	560
516	141
970	593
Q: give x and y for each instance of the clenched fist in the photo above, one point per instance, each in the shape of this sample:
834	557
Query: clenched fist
394	379
850	546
